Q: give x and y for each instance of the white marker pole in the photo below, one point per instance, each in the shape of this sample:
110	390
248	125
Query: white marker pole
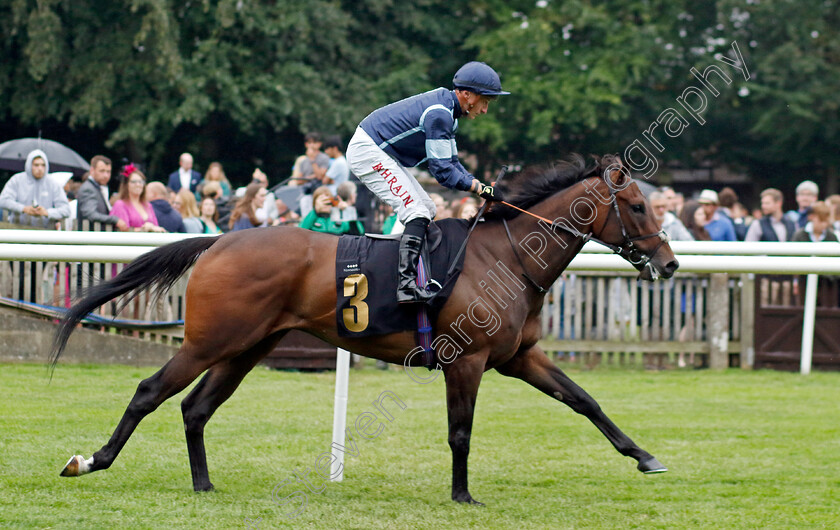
808	324
342	376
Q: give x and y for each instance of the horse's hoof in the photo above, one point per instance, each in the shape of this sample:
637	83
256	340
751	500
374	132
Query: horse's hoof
651	466
467	499
203	487
77	466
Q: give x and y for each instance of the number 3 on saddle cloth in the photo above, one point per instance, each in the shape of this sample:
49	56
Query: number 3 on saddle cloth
366	283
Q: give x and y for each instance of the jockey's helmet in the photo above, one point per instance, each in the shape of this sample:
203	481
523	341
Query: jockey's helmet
479	78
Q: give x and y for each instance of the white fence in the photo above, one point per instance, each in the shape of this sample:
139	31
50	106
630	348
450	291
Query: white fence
56	266
590	318
588	313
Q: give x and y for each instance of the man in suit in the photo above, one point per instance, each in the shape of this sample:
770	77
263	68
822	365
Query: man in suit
186	176
93	195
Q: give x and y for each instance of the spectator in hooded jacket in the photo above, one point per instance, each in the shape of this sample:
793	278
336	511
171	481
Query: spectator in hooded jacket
33	199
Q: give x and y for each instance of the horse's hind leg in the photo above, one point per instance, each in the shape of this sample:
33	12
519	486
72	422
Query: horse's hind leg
535	368
214	389
175	375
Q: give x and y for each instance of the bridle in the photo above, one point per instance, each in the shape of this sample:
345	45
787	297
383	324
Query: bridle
627	249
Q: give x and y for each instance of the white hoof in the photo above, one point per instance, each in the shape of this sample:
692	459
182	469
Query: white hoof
77	466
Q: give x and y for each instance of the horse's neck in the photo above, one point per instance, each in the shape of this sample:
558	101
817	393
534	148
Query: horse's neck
546	250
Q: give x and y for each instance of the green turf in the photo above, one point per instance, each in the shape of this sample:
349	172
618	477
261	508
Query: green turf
745	450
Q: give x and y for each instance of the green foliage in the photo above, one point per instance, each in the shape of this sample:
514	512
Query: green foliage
795	97
241	80
575	69
152	73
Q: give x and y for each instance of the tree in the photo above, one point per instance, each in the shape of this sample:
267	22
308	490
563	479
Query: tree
241	81
577	71
225	79
790	111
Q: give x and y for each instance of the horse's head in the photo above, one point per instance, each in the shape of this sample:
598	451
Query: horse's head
630	228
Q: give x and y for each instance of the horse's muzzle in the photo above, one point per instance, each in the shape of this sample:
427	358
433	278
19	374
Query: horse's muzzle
651	272
670	268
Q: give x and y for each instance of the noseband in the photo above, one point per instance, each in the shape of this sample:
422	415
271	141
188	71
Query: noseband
627	249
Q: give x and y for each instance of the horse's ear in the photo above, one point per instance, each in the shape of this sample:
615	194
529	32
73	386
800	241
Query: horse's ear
614	172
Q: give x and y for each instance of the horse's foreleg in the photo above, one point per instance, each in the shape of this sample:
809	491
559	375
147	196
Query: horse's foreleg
535	368
175	375
462	380
214	389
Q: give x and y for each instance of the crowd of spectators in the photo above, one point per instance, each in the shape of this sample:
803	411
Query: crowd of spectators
326	201
185	201
719	216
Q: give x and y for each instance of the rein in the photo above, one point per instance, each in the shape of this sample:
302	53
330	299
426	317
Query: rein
478	216
626	250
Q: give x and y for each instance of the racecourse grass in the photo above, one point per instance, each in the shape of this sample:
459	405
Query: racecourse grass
744	449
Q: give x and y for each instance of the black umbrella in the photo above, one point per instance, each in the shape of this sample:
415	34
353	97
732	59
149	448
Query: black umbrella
61	158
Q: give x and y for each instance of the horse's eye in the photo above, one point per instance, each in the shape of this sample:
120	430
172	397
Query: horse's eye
638	208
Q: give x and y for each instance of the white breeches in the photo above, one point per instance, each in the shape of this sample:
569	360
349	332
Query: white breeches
385	177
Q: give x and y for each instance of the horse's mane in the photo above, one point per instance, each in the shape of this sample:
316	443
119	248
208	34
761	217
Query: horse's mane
535	184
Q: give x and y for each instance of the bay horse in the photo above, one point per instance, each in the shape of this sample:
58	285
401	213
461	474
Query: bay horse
285	279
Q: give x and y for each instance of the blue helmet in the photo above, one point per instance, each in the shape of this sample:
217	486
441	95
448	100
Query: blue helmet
479	78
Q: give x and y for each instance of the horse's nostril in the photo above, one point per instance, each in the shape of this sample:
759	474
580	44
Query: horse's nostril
671	267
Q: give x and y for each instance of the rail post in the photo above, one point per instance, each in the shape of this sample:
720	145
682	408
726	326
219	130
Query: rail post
747	321
717	327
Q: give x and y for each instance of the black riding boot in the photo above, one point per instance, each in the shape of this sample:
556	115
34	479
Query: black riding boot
407	290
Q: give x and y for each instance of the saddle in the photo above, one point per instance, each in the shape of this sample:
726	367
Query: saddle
366	279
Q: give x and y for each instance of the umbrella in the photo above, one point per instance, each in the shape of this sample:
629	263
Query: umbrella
289	195
14	152
60	177
645	187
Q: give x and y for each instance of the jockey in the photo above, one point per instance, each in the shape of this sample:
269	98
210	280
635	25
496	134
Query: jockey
416	130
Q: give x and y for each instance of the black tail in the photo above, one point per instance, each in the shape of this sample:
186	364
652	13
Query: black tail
157	270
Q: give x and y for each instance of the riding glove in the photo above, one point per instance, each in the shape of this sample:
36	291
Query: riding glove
490	193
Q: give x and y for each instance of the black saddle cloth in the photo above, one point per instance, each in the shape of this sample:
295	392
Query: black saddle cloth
366	280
